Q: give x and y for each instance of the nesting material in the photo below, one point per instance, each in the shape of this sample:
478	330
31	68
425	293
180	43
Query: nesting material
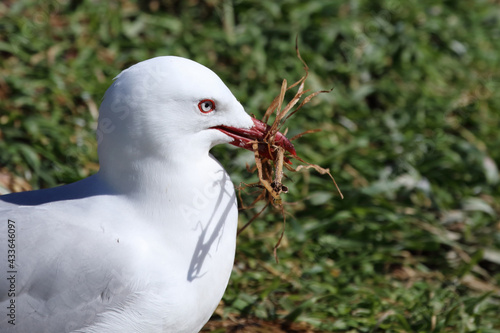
271	160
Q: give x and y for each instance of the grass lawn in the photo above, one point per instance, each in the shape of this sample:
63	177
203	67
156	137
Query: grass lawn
409	132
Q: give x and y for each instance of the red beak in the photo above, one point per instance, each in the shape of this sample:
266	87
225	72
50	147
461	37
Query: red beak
244	138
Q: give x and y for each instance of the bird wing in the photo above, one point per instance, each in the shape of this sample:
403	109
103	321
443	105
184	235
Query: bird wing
49	274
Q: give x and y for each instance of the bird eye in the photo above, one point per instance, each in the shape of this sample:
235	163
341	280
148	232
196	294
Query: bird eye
206	106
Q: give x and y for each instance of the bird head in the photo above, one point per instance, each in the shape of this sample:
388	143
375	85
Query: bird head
171	105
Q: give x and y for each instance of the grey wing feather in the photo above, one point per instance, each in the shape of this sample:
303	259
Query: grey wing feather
59	282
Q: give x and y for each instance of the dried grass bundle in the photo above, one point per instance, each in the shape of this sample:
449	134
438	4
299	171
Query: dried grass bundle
271	158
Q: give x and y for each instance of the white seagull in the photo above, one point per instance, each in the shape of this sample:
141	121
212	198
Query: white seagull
147	243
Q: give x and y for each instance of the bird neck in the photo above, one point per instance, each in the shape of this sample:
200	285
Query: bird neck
146	174
156	181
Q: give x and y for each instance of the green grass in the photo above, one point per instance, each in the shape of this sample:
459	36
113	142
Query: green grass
410	132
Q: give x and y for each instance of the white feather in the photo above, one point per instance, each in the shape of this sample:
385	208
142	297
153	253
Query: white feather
145	245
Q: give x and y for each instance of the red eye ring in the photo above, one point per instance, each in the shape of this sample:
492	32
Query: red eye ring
206	106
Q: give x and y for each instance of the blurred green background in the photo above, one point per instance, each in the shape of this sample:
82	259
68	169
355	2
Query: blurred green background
409	133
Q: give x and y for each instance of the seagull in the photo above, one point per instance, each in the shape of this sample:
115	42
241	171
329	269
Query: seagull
147	243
